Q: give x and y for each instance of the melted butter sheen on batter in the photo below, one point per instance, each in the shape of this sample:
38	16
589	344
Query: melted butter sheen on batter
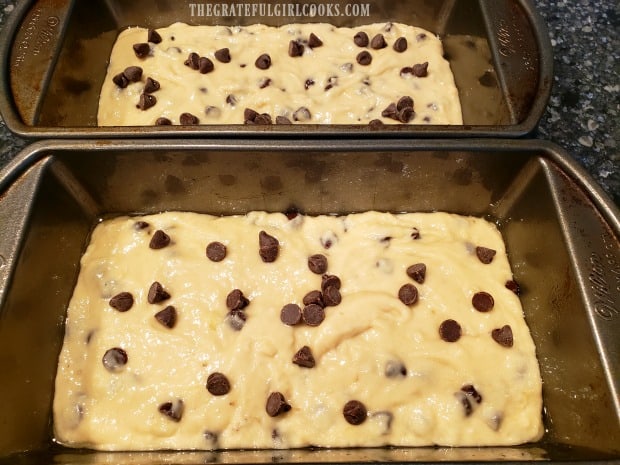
318	84
135	375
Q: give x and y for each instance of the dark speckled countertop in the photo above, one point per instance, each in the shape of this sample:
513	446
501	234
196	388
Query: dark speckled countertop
582	115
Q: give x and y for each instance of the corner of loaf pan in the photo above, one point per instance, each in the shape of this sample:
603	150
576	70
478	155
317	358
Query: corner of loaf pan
55	56
561	233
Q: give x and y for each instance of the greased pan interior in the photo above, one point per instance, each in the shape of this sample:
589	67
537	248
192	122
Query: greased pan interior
55	54
562	237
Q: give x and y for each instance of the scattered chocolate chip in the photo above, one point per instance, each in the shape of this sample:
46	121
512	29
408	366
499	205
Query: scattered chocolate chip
378	42
163	122
142	50
482	301
450	331
417	272
503	336
331	296
276	404
390	111
415	234
213	111
159	240
157	293
216	251
153	36
187	119
283	120
331	82
408	294
192	60
375	124
404	102
513	286
405	71
364	58
328	239
210	436
205	65
400	45
421	69
485	255
120	80
140	225
290	314
146	101
249	115
264	82
308	83
173	410
355	412
268	247
313	315
304	358
235	300
167	316
218	384
314	41
295	49
122	302
471	391
133	73
405	115
151	86
302	114
222	55
317	263
426	119
462	397
263	61
395	369
361	39
236	319
313	297
231	100
114	359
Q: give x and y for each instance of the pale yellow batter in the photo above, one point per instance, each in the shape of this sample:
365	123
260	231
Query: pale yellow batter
322	84
385	353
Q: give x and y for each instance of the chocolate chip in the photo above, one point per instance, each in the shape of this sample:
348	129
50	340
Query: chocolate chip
503	336
263	61
317	263
218	384
314	41
222	55
415	234
153	36
400	45
375	124
114	359
151	86
140	225
216	251
408	294
205	65
211	437
231	100
355	412
159	240
276	404
304	358
163	121
364	58
313	315
142	50
157	293
249	115
330	280
236	319
395	369
187	119
331	296
173	410
133	73
462	397
290	314
167	316
405	71
308	83
450	331
120	80
471	391
122	302
283	120
331	82
295	49
313	297
192	60
378	42
420	69
235	300
264	82
302	114
146	101
513	286
485	255
404	102
482	301
268	247
405	115
417	272
390	111
361	39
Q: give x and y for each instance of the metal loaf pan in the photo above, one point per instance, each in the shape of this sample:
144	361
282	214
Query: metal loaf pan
562	236
54	57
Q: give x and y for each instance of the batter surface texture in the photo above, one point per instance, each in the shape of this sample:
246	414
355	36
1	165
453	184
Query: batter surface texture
190	331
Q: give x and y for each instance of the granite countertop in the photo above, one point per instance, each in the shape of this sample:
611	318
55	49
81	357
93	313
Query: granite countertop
582	115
